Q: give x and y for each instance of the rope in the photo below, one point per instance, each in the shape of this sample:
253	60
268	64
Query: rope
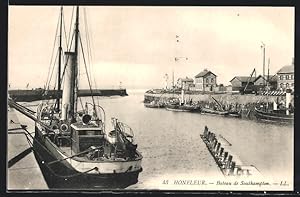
86	71
53	50
58	175
85	151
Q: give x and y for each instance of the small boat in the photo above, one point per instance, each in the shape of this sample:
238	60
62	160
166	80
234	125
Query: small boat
154	104
236	114
279	116
282	115
213	111
181	105
74	147
182	108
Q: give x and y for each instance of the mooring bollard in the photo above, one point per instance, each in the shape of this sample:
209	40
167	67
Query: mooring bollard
218	147
232	168
229	161
205	131
215	144
221	151
225	156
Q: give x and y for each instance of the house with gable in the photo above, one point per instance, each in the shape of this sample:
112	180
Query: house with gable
205	81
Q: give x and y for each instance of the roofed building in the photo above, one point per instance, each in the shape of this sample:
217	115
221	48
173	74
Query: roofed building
205	81
239	82
185	83
286	77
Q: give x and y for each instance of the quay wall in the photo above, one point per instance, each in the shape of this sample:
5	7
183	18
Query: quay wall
222	98
244	104
41	94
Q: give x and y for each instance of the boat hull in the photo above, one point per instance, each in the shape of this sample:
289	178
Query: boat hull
62	175
180	108
273	117
149	105
214	112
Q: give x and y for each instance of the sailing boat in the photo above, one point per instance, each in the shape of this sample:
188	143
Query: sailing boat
181	104
73	147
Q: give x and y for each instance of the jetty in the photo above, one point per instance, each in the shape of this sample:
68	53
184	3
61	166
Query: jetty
22	165
42	94
228	162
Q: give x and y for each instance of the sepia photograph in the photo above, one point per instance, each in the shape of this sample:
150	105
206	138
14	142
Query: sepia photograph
139	98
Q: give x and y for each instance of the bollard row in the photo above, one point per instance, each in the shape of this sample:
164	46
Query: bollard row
222	157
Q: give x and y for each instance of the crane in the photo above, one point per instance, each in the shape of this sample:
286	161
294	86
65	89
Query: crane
254	71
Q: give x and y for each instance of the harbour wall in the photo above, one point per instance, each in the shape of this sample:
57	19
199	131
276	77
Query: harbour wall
222	98
244	104
41	94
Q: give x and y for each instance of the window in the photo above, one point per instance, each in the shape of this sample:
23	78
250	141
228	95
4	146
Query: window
207	80
292	77
281	85
212	80
281	77
287	77
292	84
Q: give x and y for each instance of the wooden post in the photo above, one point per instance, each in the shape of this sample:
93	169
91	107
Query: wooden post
221	151
218	147
229	161
225	156
232	167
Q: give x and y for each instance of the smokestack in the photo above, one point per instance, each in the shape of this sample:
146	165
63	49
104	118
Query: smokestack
68	88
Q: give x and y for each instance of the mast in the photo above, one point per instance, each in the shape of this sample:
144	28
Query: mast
59	61
69	96
76	63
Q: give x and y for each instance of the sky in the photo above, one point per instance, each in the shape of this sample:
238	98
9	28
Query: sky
136	45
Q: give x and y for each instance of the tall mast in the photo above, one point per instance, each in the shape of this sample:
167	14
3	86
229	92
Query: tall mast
59	61
69	97
77	56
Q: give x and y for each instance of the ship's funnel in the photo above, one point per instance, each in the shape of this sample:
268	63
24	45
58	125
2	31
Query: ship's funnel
68	88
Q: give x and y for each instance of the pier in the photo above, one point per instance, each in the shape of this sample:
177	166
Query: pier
226	160
41	94
22	165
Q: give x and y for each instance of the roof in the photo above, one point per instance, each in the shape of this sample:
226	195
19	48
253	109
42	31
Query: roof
203	73
243	78
286	69
187	79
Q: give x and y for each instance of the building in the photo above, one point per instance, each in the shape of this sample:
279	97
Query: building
261	82
185	83
205	81
255	83
286	77
239	82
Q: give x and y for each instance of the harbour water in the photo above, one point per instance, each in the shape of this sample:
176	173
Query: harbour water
173	150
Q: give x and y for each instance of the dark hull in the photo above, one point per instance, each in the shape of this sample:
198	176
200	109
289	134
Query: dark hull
59	176
215	112
274	117
149	105
180	108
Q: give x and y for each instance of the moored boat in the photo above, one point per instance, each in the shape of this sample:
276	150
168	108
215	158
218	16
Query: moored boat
284	114
279	116
154	104
74	148
213	111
